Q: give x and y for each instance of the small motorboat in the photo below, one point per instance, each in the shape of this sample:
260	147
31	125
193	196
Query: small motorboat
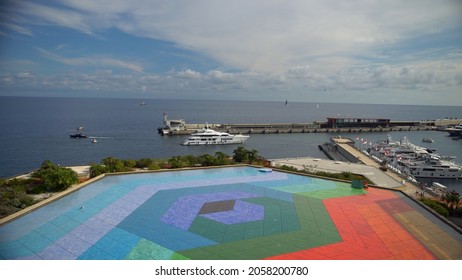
78	133
427	140
265	170
93	140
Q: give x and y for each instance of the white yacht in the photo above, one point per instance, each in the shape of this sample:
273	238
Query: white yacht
416	161
455	131
433	167
209	136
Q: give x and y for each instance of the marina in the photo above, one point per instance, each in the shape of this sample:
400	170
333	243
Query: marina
415	161
408	164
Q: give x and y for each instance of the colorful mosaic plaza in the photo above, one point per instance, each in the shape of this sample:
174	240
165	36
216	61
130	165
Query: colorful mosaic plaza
228	213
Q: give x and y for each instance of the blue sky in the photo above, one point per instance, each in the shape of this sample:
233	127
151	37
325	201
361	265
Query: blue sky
391	52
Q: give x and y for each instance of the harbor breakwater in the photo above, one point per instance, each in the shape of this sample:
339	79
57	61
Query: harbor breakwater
333	125
287	128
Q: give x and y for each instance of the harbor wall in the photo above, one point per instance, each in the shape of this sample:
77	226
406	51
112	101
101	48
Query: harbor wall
180	127
293	128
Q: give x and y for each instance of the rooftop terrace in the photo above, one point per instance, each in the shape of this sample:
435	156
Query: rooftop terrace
229	213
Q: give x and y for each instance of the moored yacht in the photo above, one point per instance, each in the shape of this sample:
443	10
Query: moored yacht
209	136
433	167
415	161
455	131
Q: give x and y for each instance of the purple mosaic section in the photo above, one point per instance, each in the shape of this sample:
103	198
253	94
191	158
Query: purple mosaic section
242	212
55	252
183	212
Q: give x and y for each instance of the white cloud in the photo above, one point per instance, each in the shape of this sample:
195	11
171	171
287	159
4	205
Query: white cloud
299	83
269	35
92	60
17	28
56	16
296	47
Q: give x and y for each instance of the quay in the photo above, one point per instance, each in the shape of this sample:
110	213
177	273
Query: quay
333	125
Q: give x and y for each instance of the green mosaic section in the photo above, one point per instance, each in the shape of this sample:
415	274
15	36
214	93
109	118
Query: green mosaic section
280	216
340	191
147	250
316	229
321	190
178	257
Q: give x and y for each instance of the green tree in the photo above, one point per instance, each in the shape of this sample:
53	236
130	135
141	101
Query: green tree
178	162
207	160
222	158
452	200
144	162
240	155
55	178
114	164
243	155
130	163
154	166
59	179
253	155
97	169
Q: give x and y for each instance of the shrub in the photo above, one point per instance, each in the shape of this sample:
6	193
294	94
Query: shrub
243	155
13	196
437	206
130	163
97	169
144	162
55	178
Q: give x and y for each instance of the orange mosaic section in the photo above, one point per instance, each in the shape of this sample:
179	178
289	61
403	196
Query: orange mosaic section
368	230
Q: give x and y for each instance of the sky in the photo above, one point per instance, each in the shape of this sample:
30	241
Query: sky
358	51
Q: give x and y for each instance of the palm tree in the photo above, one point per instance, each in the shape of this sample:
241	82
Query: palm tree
452	200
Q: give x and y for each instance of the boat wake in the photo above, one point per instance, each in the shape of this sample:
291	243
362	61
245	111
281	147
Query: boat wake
101	137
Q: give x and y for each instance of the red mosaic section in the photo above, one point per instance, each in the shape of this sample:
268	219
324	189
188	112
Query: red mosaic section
368	229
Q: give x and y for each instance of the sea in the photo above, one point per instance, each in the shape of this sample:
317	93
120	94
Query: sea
35	129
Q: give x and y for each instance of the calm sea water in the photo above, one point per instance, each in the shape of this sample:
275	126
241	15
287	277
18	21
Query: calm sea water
36	129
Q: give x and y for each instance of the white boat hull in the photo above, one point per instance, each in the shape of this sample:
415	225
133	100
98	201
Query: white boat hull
212	137
212	143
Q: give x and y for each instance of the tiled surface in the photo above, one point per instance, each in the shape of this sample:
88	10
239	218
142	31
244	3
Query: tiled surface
228	213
